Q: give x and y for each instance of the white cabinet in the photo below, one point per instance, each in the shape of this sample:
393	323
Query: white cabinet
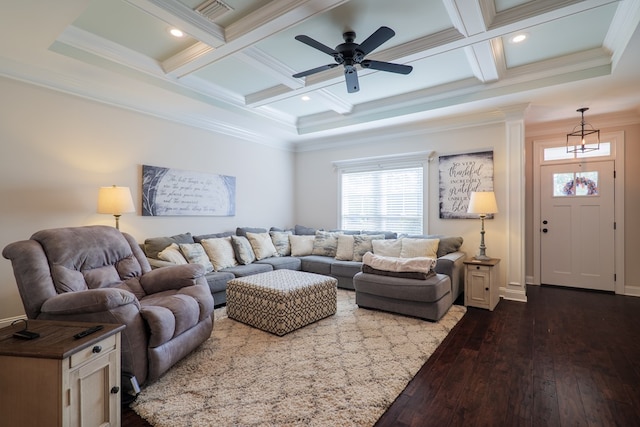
56	380
481	286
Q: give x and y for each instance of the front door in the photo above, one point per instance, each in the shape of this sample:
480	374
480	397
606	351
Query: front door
577	225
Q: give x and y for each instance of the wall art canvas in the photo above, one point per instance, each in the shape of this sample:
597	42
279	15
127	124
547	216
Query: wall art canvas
460	174
175	192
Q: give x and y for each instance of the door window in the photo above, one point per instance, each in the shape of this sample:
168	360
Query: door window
575	184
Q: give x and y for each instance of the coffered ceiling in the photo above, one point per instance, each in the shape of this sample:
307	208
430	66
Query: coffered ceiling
232	71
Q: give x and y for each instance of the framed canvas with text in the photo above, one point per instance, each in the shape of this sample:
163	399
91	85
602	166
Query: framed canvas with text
459	175
175	192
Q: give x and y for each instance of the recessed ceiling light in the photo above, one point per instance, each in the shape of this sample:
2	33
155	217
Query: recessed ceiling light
305	98
176	32
518	38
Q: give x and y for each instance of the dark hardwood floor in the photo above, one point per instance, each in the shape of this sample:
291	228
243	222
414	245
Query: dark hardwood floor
566	358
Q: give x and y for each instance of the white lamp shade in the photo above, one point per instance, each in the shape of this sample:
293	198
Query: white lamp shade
482	202
115	200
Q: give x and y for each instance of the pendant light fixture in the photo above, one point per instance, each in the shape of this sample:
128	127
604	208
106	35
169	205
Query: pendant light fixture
584	137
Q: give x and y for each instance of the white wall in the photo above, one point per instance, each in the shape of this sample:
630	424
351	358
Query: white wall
316	193
57	150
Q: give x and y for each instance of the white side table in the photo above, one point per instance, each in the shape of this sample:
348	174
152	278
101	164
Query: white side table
481	283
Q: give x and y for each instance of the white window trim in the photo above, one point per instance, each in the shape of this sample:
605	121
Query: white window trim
396	161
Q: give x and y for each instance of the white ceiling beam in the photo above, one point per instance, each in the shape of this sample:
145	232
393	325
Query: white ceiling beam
482	61
270	19
466	16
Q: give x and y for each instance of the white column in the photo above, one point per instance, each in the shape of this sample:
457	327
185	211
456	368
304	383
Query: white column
515	288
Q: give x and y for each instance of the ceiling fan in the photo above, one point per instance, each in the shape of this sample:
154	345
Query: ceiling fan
349	54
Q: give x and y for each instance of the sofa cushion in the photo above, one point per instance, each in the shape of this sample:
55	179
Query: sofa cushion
281	242
345	268
249	269
387	247
282	262
387	234
301	245
430	290
412	248
195	254
262	245
242	231
362	244
153	245
325	243
220	252
301	230
243	250
172	254
201	237
344	251
317	264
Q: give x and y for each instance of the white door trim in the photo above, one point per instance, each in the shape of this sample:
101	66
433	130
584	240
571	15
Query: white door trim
617	154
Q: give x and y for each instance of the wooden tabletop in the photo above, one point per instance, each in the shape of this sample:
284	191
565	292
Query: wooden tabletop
56	339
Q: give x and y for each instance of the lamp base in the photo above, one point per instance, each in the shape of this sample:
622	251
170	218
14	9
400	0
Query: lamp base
482	258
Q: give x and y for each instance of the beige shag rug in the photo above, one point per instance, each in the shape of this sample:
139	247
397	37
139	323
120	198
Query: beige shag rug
344	370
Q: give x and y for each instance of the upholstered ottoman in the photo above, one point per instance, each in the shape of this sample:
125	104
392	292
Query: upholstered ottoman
428	299
281	301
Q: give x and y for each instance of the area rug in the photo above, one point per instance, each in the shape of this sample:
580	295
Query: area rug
344	370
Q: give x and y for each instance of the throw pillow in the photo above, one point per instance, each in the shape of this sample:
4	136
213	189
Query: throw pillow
262	245
301	245
344	251
448	245
412	248
243	250
195	254
301	230
242	231
172	254
220	252
325	243
362	244
388	247
153	245
280	240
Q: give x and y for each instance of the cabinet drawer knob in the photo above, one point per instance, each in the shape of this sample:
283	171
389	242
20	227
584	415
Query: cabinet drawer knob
96	349
486	289
477	267
115	389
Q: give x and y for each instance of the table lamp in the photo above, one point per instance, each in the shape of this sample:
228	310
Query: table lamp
116	201
482	203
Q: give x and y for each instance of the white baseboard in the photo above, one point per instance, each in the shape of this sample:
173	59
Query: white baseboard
513	295
632	291
9	320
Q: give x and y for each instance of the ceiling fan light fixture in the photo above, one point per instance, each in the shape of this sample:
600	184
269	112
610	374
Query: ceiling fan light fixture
581	139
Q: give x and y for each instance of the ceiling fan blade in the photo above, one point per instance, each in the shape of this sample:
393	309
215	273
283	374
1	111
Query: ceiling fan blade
351	78
380	36
316	44
315	70
387	66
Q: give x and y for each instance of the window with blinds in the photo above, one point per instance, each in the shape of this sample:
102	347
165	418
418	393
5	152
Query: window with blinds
383	199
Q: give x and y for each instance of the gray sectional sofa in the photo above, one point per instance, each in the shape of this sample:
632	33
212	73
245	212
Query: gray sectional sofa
449	257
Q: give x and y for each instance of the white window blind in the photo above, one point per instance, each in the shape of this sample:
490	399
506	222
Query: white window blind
383	199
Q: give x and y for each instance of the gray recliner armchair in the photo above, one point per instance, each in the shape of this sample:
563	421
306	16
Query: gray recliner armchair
98	274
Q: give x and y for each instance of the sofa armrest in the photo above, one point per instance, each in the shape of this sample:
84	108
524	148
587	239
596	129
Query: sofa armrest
87	302
173	277
452	264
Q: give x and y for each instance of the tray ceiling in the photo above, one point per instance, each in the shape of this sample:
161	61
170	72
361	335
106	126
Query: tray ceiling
232	71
